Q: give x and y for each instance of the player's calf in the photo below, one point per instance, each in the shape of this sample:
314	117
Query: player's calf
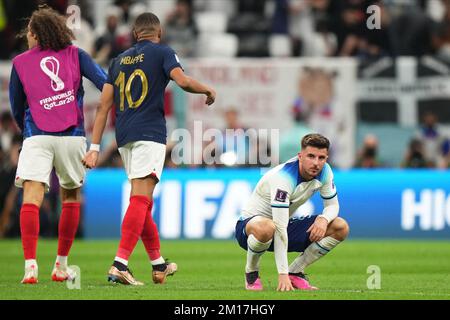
260	233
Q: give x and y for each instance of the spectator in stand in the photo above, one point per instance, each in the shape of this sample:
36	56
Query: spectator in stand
125	7
445	163
414	157
114	40
181	30
9	204
234	146
435	144
441	34
8	130
309	27
377	42
349	24
411	31
290	139
368	154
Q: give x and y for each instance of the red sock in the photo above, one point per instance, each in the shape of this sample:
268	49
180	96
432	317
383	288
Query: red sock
29	229
132	225
68	226
150	236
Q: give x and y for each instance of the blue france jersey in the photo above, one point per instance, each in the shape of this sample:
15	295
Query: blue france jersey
140	76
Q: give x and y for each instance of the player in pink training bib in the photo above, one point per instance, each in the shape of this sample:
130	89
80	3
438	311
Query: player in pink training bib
46	96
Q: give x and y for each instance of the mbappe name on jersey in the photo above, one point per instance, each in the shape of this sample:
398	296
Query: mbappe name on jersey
132	60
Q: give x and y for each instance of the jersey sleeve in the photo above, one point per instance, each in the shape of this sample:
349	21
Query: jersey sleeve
281	188
109	78
171	61
328	190
281	241
17	98
91	70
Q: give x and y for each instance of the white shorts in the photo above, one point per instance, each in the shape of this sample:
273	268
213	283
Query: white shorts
41	153
143	158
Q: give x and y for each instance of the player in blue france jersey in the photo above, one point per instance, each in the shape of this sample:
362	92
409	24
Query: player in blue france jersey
266	222
136	83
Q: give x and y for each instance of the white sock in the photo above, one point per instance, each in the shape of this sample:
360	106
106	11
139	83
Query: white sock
255	250
30	262
122	261
160	260
314	252
62	260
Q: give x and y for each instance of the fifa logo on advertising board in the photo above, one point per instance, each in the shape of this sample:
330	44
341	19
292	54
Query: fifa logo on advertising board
431	207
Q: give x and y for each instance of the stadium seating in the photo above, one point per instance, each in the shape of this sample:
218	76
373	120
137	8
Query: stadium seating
211	22
280	46
218	45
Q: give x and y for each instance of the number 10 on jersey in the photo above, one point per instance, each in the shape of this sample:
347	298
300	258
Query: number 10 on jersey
125	89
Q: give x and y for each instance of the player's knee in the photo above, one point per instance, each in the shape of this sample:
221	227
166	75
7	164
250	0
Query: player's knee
340	228
263	230
73	195
143	186
33	193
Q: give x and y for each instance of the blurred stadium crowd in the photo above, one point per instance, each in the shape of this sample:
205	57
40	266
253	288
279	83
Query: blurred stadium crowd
240	28
252	28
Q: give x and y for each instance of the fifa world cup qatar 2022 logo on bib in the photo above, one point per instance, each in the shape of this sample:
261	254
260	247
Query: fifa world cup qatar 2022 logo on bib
50	66
57	83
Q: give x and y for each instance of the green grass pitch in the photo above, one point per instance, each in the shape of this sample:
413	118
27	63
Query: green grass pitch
214	270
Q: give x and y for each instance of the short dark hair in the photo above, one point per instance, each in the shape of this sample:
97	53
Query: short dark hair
146	23
50	29
315	140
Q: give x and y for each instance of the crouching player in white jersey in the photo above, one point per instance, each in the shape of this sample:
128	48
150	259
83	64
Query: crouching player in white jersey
266	223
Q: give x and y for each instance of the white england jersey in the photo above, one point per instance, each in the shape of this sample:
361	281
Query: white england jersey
283	187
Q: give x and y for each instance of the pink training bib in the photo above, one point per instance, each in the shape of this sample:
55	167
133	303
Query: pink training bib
51	81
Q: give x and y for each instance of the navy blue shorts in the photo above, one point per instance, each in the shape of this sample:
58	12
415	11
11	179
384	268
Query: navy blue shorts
298	238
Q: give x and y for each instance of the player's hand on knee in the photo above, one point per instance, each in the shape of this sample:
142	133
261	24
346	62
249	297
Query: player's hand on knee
284	283
318	229
90	159
210	96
